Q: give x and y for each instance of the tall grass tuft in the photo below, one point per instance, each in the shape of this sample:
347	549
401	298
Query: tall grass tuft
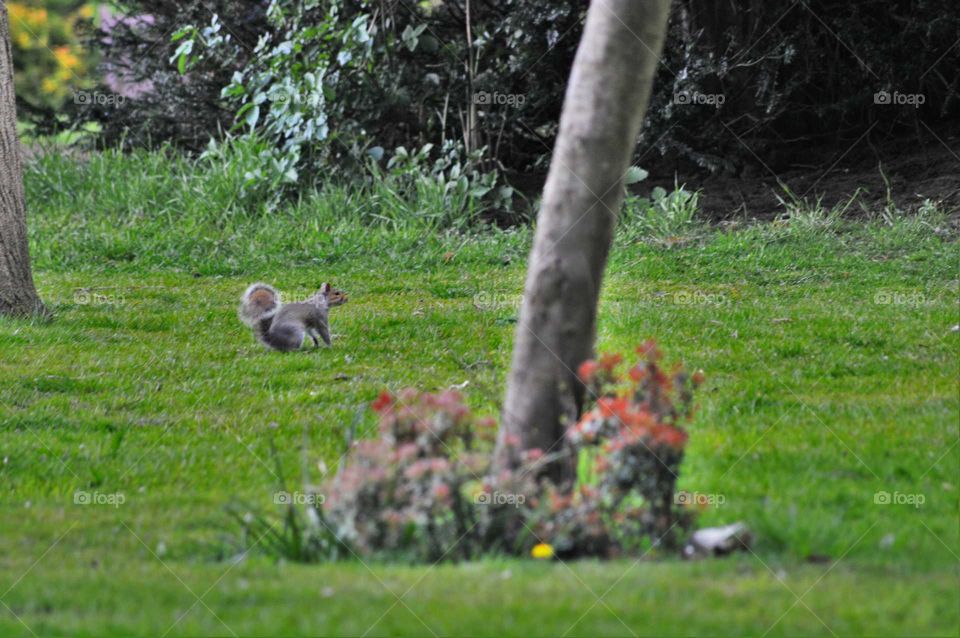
664	215
162	210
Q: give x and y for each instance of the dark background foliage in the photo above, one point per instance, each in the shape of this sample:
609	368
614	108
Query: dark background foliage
185	111
792	73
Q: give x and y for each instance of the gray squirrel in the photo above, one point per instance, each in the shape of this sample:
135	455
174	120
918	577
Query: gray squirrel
285	326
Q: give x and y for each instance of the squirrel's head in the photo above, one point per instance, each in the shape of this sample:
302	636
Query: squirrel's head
334	296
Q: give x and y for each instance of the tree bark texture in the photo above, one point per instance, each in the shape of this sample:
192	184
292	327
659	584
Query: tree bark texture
17	293
606	98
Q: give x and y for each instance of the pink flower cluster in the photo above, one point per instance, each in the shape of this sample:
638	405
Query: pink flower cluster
425	488
404	492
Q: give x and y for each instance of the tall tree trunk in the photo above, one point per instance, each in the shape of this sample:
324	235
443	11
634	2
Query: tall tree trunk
606	98
17	293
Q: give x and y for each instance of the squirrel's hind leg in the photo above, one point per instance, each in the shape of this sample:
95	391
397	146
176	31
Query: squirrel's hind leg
321	333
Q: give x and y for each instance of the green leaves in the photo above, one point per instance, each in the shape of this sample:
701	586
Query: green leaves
286	95
182	54
663	215
411	36
249	113
634	175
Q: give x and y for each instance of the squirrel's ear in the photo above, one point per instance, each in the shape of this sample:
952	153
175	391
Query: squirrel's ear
325	289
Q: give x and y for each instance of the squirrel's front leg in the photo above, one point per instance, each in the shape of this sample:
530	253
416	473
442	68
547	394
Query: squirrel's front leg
324	331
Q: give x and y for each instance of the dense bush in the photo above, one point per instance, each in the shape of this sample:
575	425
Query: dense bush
337	78
740	81
424	488
407	491
301	93
162	105
50	63
393	73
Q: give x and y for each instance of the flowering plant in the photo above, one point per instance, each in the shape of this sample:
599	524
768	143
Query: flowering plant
408	490
425	487
630	446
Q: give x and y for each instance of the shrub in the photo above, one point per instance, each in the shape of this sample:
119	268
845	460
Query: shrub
424	488
734	83
161	105
407	491
449	191
285	92
49	59
632	441
306	91
663	215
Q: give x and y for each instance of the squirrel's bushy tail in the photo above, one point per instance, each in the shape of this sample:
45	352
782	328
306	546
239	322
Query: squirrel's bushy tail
260	302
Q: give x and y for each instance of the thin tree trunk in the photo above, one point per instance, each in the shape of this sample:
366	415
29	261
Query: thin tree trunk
606	98
17	293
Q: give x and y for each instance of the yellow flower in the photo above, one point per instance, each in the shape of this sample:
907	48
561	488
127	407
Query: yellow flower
17	10
49	85
66	58
542	551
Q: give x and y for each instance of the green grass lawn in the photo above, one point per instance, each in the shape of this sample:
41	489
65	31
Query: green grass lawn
832	377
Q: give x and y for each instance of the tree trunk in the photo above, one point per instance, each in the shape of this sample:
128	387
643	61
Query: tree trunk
605	101
17	294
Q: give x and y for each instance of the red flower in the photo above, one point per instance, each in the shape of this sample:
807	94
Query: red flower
587	370
511	440
637	373
660	378
383	403
668	435
698	378
587	491
639	422
601	464
610	406
533	454
559	502
610	361
648	349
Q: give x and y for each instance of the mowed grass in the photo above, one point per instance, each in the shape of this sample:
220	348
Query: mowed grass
832	380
